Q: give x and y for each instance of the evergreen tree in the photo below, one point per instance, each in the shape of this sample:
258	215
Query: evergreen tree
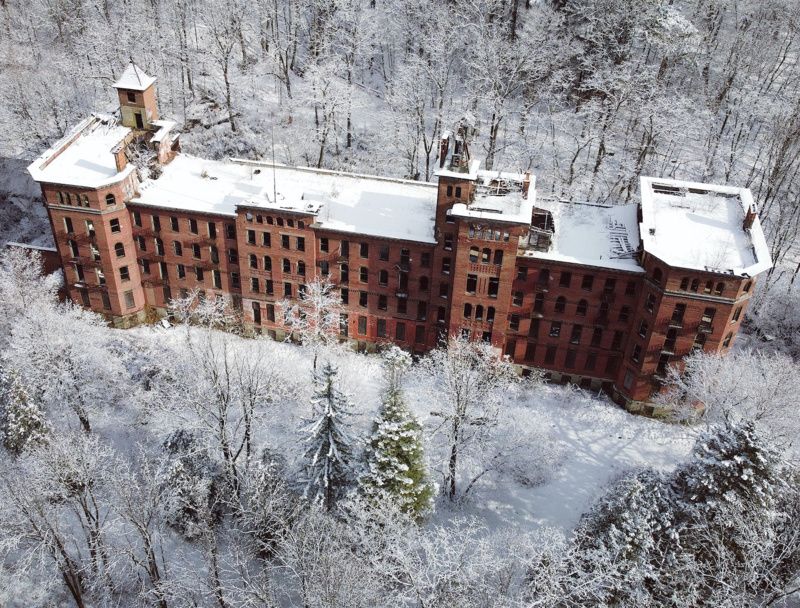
22	423
329	455
395	461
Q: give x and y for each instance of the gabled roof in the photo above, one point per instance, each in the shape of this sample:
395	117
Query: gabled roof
134	79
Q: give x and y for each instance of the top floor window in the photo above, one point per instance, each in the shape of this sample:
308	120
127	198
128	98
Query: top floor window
193	226
383	253
587	282
110	199
364	250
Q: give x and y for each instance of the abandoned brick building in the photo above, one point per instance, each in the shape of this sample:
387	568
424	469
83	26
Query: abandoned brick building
593	294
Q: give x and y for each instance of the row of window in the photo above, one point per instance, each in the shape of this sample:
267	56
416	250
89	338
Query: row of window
487	234
193	224
81	200
551	353
274	221
565	281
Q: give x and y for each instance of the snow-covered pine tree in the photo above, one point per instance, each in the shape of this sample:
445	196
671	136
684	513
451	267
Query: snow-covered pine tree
22	422
395	460
329	466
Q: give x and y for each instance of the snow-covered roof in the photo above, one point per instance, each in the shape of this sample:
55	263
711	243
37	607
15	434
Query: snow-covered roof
346	202
134	79
164	128
83	157
471	173
700	227
499	197
592	235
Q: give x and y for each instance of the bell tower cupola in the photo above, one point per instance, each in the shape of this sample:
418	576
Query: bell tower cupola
137	97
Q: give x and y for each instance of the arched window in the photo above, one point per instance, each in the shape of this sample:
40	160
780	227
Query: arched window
561	303
486	254
85	200
498	256
684	283
695	285
301	268
657	276
267	263
253	260
720	288
582	306
490	314
119	249
110	199
383	277
479	312
423	283
467	310
60	196
67	198
473	254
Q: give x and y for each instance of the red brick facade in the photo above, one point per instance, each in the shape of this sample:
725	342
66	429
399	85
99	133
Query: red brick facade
595	326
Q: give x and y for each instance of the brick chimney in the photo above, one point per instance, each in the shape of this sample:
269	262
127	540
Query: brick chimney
526	184
120	159
749	217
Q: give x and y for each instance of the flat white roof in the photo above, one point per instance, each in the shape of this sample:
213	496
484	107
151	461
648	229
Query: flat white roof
373	206
699	226
592	235
134	78
83	157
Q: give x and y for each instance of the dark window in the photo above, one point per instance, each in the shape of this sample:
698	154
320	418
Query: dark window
448	242
212	230
498	256
569	360
230	231
517	298
181	271
382	302
216	278
657	276
709	286
472	283
727	341
449	190
253	260
383	278
381	329
650	303
565	279
323	244
251	237
254	284
533	330
610	285
624	313
719	289
425	260
266	239
110	199
440	314
287	289
636	353
362	298
643	327
736	314
494	287
550	354
400	331
423	283
479	313
422	311
575	337
544	277
301	243
285	241
591	360
458	191
538	302
684	283
119	249
344	271
419	334
443	290
124	275
513	322
363	274
561	304
286	266
611	365
616	341
587	282
383	253
583	305
530	351
196	251
177	248
363	250
747	286
301	268
555	329
695	285
345	294
115	227
446	265
193	227
362	325
344	249
522	273
402	305
137	218
467	310
235	280
630	288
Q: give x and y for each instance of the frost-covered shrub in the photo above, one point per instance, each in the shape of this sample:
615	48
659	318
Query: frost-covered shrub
22	422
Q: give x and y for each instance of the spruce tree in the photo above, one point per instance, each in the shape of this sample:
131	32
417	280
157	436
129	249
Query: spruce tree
395	461
328	469
22	422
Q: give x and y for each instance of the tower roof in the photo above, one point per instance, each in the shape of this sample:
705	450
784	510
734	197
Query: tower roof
134	79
